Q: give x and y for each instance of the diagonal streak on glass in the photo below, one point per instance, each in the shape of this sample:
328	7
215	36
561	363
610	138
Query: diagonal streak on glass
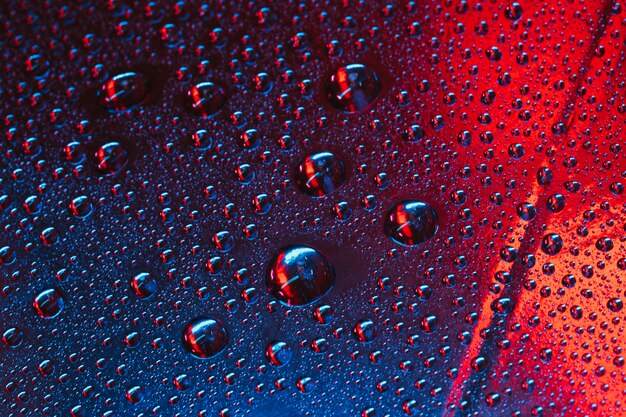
463	398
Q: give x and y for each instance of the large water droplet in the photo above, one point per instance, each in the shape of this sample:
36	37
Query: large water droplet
278	353
206	99
352	88
144	285
12	337
49	303
81	206
320	174
111	158
124	91
364	331
204	337
7	255
299	275
551	244
411	222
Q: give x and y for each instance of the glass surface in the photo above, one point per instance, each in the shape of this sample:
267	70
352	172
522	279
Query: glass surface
303	208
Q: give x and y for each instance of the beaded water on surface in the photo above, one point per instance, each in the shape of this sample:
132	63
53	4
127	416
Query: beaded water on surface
312	208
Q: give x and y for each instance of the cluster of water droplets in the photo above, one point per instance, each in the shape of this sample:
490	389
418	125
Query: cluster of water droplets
218	209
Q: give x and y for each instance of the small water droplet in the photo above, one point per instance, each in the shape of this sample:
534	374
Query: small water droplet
144	285
364	331
207	98
278	353
111	158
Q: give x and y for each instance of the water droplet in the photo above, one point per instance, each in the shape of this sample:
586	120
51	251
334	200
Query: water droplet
411	222
207	98
615	305
364	331
278	353
135	394
81	206
306	384
144	285
49	303
323	314
352	88
124	91
111	158
12	337
201	139
7	255
513	11
604	244
551	244
299	275
204	337
503	306
320	174
46	368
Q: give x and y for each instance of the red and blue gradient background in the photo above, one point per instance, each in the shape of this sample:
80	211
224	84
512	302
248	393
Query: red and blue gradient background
564	105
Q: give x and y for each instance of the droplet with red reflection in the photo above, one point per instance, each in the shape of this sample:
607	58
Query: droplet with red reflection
352	88
320	174
299	275
207	98
205	337
124	91
411	222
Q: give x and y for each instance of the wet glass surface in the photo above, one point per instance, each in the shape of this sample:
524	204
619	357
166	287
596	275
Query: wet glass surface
342	208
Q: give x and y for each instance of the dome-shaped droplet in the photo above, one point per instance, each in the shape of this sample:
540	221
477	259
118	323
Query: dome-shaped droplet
124	91
551	244
615	304
299	275
204	337
144	285
513	11
12	337
111	158
135	394
503	306
49	303
207	98
278	353
320	174
81	206
410	222
7	255
364	331
352	88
